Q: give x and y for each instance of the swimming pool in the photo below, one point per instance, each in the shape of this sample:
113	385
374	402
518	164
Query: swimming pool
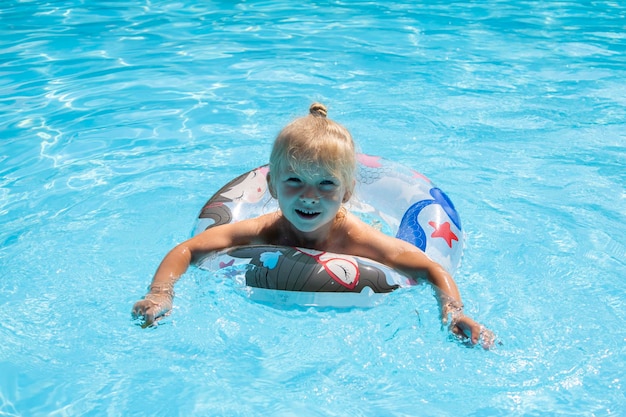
119	120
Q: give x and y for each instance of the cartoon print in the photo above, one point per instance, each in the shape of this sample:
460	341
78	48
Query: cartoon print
250	189
342	268
411	231
297	269
370	169
216	211
247	188
369	161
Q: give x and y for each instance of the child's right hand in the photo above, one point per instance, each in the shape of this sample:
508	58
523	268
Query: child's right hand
152	308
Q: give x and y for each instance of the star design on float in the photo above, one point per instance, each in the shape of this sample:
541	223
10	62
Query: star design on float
408	193
443	231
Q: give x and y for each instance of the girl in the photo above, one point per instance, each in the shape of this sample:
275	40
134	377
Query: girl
312	174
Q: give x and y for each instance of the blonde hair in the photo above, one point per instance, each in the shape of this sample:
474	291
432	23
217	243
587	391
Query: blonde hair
315	141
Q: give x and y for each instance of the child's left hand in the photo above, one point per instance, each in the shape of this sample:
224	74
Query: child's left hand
464	326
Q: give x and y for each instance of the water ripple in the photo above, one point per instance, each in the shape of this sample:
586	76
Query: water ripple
119	120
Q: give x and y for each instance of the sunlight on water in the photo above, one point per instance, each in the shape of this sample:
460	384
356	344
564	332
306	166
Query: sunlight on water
119	120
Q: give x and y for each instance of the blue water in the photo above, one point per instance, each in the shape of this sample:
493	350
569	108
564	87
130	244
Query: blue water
119	119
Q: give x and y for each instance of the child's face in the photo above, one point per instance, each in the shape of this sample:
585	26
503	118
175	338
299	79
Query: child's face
309	200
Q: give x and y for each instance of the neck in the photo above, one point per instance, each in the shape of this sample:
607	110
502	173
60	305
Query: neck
323	238
317	239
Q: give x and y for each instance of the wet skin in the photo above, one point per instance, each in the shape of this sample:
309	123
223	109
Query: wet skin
310	201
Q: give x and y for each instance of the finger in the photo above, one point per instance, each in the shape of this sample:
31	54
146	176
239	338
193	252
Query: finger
137	311
470	331
149	319
475	335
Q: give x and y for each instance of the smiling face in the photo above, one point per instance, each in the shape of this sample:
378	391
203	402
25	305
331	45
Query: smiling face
309	200
312	172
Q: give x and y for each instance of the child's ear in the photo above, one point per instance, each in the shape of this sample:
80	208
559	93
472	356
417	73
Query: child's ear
348	195
269	185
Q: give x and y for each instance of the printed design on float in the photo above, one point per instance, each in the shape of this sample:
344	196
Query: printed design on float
246	189
443	231
371	169
223	264
299	269
370	161
342	268
270	259
412	231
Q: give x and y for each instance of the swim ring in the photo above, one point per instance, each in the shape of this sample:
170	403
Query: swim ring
397	200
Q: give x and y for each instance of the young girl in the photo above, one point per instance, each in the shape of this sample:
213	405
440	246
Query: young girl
312	173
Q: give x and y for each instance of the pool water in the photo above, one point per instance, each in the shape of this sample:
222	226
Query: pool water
119	119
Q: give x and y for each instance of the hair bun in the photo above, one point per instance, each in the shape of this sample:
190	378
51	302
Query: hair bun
318	110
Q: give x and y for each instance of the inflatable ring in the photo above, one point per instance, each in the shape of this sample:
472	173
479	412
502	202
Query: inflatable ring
395	199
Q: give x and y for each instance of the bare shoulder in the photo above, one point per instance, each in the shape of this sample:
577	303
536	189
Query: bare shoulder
266	229
358	229
361	231
244	232
258	229
368	241
389	250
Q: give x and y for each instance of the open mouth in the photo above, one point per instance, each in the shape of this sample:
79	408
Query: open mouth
307	214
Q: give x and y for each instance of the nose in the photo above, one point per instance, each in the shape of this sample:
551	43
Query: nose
309	195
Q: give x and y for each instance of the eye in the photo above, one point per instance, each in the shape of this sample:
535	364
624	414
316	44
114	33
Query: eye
329	184
293	181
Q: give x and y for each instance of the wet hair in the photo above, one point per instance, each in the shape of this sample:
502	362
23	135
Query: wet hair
315	141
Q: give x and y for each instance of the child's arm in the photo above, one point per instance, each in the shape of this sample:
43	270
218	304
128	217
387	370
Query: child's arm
159	299
398	254
417	264
158	302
